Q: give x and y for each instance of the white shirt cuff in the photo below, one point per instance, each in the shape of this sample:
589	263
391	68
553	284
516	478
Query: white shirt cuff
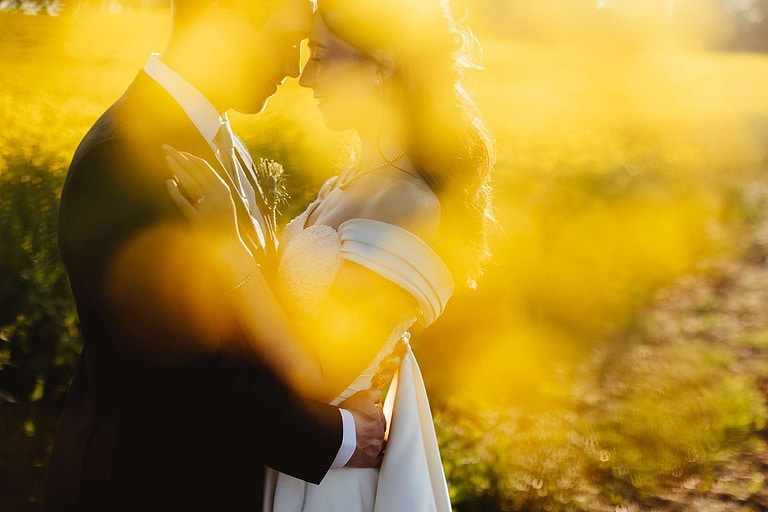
348	440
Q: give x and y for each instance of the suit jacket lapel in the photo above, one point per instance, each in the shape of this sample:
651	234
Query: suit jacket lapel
244	219
171	125
250	173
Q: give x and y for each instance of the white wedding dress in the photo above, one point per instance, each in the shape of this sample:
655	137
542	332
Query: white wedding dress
411	477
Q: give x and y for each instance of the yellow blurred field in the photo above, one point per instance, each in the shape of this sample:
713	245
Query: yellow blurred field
615	170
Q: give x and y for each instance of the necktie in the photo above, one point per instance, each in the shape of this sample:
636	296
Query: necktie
225	144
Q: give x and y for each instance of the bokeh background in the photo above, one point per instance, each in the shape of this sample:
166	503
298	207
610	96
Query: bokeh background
615	355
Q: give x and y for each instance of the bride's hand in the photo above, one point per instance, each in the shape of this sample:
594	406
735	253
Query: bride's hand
206	200
207	203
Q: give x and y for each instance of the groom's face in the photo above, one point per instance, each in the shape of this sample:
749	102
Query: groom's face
270	53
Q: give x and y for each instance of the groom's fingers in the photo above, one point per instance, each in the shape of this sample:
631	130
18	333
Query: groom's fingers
373	395
364	403
370	426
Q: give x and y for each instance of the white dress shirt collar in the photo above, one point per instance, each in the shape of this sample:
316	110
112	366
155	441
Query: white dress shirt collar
198	108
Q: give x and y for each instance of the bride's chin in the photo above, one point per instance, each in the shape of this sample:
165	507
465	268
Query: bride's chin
333	122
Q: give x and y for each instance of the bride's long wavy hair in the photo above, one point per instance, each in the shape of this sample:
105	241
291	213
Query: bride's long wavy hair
428	53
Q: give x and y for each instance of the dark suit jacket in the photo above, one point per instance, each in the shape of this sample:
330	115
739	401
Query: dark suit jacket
143	435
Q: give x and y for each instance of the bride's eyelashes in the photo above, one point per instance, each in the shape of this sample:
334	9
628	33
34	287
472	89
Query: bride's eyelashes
315	55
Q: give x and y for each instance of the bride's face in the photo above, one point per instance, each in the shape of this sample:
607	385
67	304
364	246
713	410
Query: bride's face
345	82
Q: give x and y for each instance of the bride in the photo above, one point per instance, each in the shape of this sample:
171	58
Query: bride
381	245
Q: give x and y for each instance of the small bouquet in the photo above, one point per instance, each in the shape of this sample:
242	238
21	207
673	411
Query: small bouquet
271	178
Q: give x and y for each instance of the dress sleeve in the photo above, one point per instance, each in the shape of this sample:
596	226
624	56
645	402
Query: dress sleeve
401	257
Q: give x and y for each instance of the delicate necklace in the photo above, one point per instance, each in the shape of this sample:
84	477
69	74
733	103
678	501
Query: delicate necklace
344	184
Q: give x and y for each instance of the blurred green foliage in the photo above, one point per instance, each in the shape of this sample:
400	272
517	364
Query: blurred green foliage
39	338
671	427
37	315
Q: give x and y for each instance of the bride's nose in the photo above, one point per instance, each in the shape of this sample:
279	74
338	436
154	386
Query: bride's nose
307	78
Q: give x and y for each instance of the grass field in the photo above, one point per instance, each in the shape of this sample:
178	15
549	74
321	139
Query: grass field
619	170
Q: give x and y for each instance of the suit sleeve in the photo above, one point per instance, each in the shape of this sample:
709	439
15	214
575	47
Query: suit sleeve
132	254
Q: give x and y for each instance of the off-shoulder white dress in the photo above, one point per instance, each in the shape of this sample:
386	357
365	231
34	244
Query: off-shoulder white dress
411	477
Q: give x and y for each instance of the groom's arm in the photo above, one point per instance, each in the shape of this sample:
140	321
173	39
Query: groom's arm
159	293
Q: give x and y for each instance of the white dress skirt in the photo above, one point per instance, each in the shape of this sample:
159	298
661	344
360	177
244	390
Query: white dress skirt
411	477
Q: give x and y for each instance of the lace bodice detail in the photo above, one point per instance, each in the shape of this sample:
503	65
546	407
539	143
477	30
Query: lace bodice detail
309	260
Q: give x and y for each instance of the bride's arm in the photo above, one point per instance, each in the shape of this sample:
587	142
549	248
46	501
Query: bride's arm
358	314
264	324
362	307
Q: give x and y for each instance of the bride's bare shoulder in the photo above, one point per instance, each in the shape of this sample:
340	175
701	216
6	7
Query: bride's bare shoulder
327	187
407	203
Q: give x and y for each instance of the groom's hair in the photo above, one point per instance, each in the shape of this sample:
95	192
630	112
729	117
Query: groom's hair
183	12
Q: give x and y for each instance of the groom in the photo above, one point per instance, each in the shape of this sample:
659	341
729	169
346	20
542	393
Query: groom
165	412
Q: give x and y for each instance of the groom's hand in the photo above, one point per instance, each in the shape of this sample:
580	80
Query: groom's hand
370	426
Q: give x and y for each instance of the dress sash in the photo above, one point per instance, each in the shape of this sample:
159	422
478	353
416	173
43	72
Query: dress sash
403	258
